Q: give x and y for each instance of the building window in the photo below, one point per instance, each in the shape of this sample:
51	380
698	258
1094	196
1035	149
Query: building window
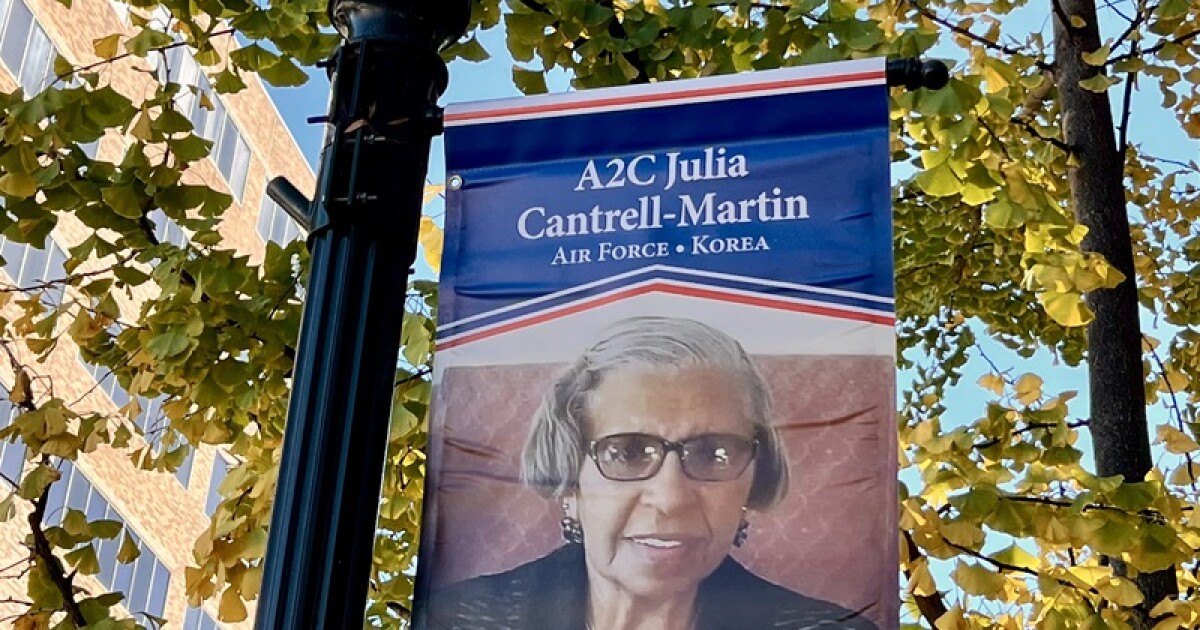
275	225
147	420
167	230
144	581
12	453
30	266
199	102
219	471
198	619
25	47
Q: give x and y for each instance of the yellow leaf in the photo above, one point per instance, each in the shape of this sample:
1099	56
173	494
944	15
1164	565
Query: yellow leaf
1175	441
1120	591
1078	22
1054	532
232	609
952	620
1029	389
1185	474
921	582
963	534
432	240
1065	307
1164	607
21	392
1173	381
1016	556
432	191
107	47
977	580
992	382
1171	622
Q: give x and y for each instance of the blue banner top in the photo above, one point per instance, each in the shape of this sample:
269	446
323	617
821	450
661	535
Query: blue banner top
779	176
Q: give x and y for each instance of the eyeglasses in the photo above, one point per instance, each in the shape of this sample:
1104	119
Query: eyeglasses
638	456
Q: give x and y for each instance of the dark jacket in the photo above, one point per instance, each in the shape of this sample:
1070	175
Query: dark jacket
551	594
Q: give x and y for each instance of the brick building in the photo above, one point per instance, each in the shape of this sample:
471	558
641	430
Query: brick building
163	512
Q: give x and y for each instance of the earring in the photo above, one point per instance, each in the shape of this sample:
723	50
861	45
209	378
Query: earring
743	531
572	530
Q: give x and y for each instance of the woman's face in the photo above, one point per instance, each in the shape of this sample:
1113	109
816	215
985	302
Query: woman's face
662	535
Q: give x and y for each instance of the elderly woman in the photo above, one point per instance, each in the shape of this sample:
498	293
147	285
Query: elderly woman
657	444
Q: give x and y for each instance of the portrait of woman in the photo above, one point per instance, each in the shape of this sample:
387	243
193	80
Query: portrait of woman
658	446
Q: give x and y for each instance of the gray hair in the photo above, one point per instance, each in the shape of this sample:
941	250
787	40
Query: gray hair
555	448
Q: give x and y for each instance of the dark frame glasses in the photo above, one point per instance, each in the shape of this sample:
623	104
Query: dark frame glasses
639	456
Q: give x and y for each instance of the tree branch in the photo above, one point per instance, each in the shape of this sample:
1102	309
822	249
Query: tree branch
996	46
931	606
44	552
1157	47
1028	126
160	49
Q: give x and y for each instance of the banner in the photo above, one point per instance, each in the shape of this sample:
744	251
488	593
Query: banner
664	385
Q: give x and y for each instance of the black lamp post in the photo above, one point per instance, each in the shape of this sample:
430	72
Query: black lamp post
386	80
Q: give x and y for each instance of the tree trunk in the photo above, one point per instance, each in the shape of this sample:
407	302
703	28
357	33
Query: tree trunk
1118	401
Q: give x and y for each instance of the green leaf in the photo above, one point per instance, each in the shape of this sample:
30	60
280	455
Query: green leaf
148	39
35	482
529	81
254	58
284	73
190	148
84	560
939	181
105	529
169	343
129	550
124	200
227	81
107	47
18	184
41	588
468	50
1097	57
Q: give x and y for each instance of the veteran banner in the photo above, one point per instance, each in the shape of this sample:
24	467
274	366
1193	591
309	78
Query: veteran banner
664	386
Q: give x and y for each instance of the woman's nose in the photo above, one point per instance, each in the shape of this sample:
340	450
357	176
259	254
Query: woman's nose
670	488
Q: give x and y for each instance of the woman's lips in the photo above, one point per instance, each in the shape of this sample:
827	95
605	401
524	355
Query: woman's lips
664	550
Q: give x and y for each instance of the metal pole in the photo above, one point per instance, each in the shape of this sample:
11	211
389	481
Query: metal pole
386	79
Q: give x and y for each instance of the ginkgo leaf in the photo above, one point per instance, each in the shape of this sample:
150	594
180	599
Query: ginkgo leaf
1028	388
1120	591
992	382
921	582
129	550
1098	83
977	580
231	608
1066	307
1175	441
432	240
107	47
